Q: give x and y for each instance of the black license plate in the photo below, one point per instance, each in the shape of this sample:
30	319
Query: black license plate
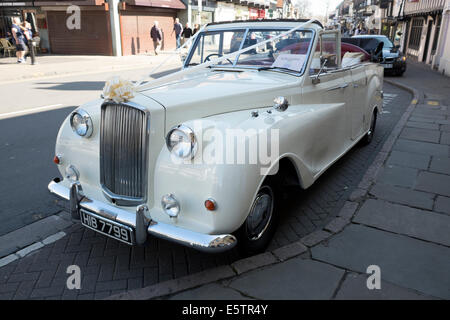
107	227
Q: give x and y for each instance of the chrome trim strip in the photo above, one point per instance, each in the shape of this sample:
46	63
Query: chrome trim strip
199	241
138	221
59	190
75	196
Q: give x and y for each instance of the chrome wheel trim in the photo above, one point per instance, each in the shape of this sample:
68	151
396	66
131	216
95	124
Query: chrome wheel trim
260	214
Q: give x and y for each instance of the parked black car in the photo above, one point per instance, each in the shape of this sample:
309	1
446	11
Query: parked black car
382	50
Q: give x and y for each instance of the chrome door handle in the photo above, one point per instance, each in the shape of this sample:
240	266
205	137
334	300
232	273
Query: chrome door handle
342	86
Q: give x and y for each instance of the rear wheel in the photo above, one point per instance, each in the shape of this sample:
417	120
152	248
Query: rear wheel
369	135
258	229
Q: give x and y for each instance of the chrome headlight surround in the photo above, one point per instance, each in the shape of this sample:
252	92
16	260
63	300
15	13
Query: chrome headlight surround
81	123
182	142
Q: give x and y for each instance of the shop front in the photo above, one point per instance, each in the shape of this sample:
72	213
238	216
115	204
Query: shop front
261	13
93	36
224	12
207	15
253	13
242	12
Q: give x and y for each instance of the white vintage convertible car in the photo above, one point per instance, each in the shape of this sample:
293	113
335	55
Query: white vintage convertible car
201	156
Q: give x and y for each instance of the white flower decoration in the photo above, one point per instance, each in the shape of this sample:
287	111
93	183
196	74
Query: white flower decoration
119	90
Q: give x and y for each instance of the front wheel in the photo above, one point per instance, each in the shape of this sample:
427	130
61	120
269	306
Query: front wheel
369	135
258	229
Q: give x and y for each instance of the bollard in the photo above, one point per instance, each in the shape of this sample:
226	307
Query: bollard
32	52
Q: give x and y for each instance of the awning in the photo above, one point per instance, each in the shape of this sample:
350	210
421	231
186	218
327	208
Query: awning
173	4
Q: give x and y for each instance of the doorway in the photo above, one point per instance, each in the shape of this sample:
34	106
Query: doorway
427	41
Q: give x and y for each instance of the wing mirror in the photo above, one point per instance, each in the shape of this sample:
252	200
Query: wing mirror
316	78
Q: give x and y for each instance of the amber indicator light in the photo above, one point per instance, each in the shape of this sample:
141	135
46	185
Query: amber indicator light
210	205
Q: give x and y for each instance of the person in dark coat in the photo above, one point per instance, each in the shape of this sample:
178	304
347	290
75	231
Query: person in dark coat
196	28
178	29
156	35
187	33
28	32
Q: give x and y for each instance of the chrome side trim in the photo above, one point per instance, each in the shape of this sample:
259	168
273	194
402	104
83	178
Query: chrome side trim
138	221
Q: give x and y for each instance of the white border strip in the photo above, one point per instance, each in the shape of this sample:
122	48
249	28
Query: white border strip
31	248
29	111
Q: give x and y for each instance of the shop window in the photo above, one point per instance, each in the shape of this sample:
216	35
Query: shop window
415	34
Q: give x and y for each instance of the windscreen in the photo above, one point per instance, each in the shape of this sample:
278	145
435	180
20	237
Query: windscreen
279	49
289	52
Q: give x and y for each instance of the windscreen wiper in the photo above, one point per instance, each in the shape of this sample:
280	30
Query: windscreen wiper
276	68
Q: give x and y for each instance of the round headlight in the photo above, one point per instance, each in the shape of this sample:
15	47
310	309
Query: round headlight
81	123
182	142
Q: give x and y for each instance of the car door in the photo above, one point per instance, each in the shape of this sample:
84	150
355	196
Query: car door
357	105
330	99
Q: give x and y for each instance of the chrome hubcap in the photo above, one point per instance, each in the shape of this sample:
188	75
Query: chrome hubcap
260	214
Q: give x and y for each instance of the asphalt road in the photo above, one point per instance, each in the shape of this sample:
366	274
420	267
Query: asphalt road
31	113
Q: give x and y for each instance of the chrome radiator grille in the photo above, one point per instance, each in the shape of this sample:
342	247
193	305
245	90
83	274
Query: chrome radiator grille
123	153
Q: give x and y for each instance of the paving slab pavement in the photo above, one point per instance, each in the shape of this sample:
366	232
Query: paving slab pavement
402	195
404	261
402	219
311	280
354	288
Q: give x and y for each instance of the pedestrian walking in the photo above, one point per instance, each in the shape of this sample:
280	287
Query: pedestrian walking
196	27
187	33
178	29
28	32
156	35
19	39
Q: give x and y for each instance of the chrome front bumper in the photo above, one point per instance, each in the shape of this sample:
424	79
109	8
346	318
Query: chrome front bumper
139	222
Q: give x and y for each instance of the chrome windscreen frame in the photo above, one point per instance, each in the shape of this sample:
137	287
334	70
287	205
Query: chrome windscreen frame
246	30
121	200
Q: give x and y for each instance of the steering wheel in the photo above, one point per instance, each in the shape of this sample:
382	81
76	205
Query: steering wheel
218	55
